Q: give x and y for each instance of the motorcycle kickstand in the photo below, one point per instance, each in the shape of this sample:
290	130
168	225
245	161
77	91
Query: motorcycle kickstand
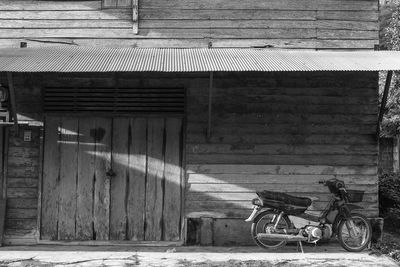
300	245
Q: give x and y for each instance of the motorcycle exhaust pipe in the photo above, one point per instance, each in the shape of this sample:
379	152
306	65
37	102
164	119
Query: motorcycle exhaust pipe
281	237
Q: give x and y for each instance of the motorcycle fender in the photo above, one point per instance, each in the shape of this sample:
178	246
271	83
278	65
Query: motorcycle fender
340	217
253	214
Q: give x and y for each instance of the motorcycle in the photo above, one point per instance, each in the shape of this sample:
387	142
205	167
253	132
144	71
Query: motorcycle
272	228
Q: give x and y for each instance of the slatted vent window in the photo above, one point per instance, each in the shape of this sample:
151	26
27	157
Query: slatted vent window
116	3
109	100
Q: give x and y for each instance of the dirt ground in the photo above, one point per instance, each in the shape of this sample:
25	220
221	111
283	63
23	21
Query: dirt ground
323	255
390	245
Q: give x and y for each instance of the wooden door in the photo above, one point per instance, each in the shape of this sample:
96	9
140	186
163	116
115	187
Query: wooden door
112	179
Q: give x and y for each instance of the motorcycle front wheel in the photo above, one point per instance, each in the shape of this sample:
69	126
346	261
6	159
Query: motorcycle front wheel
264	223
354	233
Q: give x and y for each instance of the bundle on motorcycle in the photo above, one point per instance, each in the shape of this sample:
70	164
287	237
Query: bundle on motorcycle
284	202
272	228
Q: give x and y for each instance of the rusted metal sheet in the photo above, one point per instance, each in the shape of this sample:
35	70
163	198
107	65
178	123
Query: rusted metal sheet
96	59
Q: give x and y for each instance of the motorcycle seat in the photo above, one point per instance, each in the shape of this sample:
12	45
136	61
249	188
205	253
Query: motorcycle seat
283	197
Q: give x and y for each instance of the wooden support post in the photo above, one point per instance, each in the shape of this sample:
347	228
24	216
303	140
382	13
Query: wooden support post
12	98
396	163
384	100
5	138
2	160
40	183
4	164
210	89
135	16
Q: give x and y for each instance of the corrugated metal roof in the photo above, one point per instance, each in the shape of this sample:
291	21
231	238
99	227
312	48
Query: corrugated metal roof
97	59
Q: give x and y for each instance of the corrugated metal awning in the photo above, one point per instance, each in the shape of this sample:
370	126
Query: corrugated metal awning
96	59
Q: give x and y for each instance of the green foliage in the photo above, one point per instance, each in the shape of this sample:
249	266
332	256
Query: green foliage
389	198
389	209
389	190
392	30
390	40
391	119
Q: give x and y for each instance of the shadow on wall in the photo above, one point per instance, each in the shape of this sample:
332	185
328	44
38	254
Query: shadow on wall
112	179
121	179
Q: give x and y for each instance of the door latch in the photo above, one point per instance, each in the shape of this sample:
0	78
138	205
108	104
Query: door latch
110	173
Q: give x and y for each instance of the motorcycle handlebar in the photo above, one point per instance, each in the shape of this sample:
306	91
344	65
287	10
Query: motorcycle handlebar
334	182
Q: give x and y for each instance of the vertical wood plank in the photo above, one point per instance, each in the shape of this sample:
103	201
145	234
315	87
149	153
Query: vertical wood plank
396	140
155	173
101	213
135	16
50	184
172	174
2	174
3	203
3	181
86	163
5	161
137	179
68	175
206	231
40	181
120	163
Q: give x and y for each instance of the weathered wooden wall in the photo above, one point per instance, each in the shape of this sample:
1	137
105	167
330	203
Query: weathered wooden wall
22	178
278	131
311	24
281	132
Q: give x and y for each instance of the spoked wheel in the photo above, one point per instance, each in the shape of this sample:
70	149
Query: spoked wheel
264	223
354	234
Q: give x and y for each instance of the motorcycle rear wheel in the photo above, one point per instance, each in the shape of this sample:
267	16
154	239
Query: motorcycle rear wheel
263	222
362	229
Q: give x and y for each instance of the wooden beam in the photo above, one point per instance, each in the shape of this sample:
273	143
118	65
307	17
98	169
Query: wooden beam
2	160
5	137
396	153
3	197
12	98
210	87
384	100
135	16
40	182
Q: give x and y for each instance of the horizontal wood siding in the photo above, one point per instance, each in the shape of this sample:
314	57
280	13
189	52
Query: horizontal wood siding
311	24
22	187
283	132
277	131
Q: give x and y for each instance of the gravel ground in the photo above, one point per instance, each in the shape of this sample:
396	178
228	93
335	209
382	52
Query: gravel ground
324	255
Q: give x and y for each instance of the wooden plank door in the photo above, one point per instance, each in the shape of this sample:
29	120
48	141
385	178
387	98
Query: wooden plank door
112	179
75	188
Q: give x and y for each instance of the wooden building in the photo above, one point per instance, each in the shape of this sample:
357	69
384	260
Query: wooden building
126	156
